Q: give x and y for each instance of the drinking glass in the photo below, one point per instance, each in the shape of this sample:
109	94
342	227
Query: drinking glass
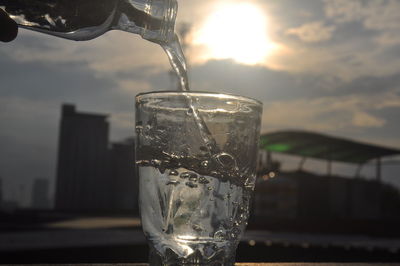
196	157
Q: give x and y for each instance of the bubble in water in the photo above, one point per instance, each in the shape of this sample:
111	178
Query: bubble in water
226	160
210	188
210	249
173	172
219	235
173	182
189	175
197	227
156	162
189	111
235	233
204	163
185	175
193	178
139	126
204	213
203	180
191	184
227	224
203	149
142	162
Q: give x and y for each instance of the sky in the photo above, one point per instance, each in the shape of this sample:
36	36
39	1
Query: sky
327	66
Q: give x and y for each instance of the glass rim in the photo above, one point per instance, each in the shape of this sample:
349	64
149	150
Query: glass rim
199	93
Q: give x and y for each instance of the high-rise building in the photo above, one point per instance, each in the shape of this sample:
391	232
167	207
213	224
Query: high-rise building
1	192
82	172
125	184
6	205
40	194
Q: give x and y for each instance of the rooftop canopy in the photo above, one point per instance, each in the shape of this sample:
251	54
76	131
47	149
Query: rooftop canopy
319	146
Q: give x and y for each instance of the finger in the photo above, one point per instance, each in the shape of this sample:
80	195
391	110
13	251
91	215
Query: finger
8	27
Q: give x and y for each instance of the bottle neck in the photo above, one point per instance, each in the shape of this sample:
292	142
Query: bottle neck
154	20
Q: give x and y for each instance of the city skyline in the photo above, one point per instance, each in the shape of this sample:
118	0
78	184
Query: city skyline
76	131
119	156
92	173
331	67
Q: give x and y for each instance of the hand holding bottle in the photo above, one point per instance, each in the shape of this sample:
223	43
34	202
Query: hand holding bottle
8	27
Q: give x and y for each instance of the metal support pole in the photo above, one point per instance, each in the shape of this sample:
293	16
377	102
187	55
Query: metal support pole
329	158
358	171
378	169
379	187
269	160
260	160
329	167
301	164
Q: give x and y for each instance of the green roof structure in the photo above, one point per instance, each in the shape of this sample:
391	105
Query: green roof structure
320	146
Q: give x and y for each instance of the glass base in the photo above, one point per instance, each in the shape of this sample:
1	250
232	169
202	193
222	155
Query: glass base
171	259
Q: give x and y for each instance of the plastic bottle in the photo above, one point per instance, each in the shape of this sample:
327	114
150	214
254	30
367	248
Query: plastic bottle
83	20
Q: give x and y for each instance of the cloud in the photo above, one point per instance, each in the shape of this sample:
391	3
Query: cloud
363	119
359	38
312	32
373	14
110	53
330	114
351	53
344	11
259	82
370	85
388	39
269	84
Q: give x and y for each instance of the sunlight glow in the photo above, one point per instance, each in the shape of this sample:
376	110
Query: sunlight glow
236	31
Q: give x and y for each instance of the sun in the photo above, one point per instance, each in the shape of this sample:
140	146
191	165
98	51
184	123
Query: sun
237	31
